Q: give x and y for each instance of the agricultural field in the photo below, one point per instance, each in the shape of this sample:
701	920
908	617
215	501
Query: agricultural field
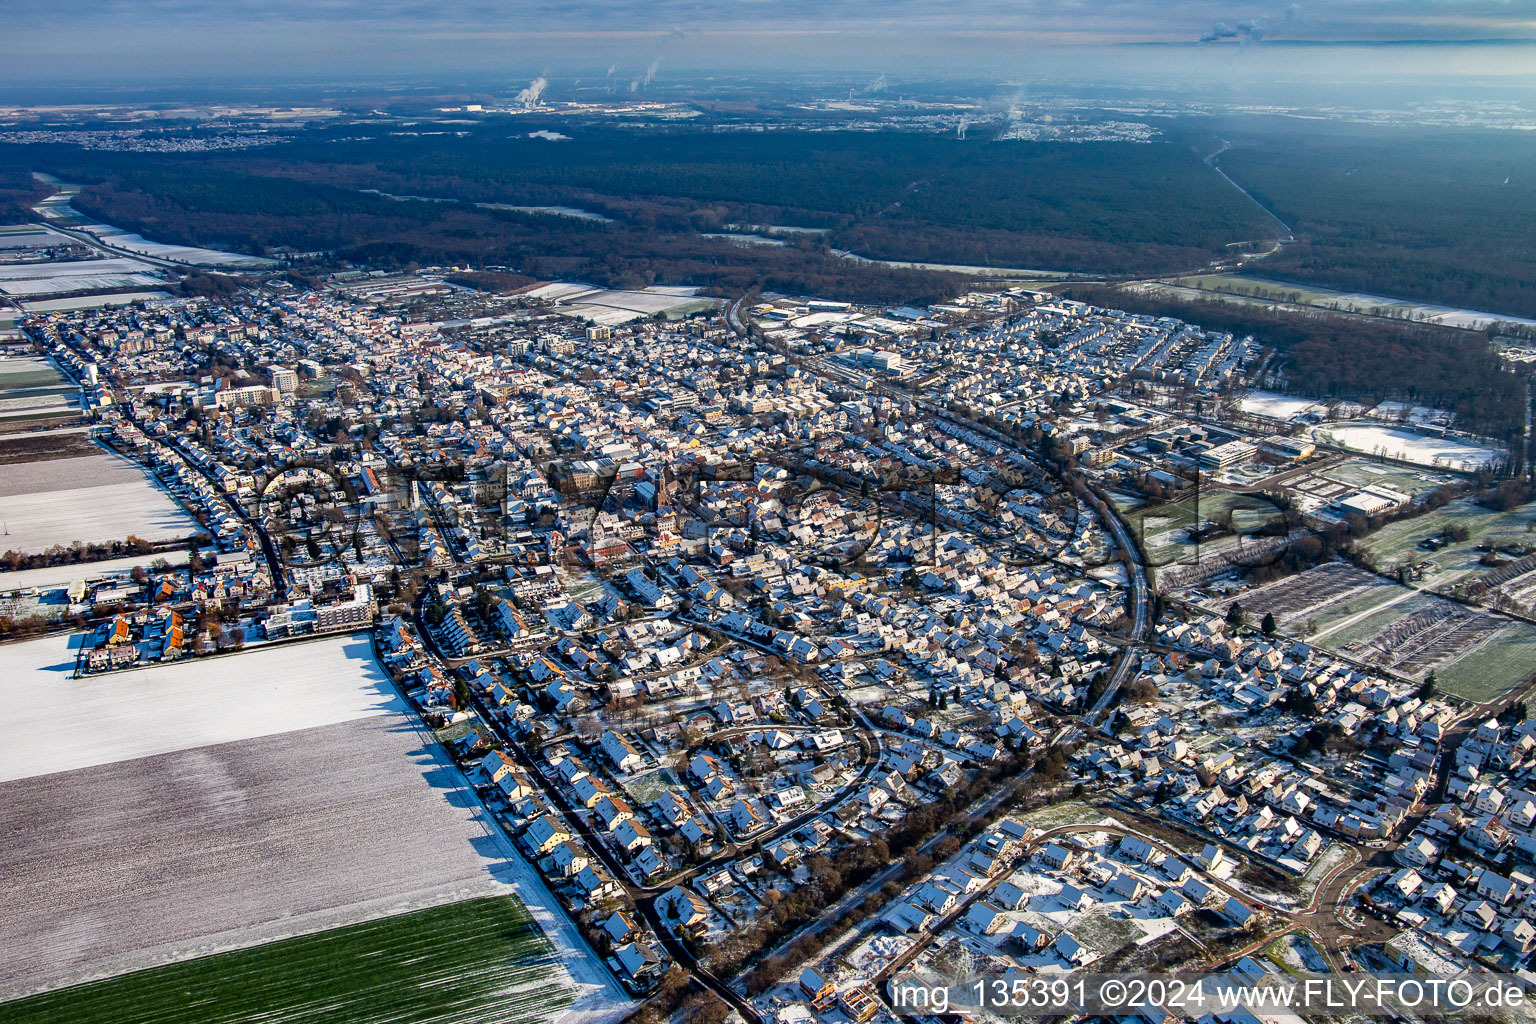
43	445
32	388
143	712
21	372
470	961
90	301
81	275
229	802
93	498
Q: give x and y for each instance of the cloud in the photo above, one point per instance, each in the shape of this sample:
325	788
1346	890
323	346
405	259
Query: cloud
1246	31
146	40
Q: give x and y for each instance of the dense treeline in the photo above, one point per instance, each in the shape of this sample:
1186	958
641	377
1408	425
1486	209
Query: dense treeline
1101	207
1154	200
1429	215
1323	355
19	192
194	204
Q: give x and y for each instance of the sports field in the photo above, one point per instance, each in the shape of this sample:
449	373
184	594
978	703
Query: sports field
479	960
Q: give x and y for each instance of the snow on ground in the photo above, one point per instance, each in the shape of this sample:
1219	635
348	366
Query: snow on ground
37	402
553	211
74	283
64	575
232	801
614	307
90	301
76	268
59	723
91	498
19	235
1276	406
120	239
1398	443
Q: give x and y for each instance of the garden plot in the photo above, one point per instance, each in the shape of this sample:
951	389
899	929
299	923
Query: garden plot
1415	643
1502	661
90	499
1322	595
1472	653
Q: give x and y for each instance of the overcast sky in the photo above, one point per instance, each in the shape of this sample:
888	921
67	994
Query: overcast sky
146	39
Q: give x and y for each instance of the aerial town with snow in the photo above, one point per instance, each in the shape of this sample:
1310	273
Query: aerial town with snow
774	651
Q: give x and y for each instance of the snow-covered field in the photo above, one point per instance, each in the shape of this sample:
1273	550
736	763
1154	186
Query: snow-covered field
92	498
553	211
79	283
1397	443
63	575
79	268
90	301
39	402
46	277
142	712
1276	406
191	808
15	236
59	209
612	308
120	239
